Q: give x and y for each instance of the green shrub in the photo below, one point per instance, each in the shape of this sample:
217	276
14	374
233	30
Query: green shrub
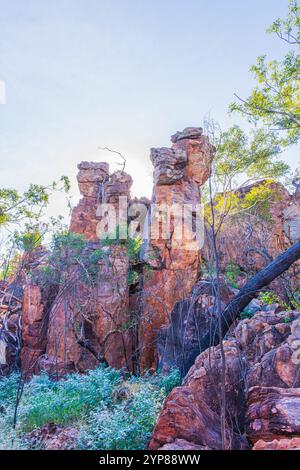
269	297
126	425
231	273
167	382
67	400
246	314
9	438
112	412
8	390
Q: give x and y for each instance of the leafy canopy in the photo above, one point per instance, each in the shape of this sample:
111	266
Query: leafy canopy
275	100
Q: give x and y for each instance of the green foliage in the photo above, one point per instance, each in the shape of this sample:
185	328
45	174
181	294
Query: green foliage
275	101
9	439
132	277
232	272
126	425
246	314
254	156
254	202
257	201
294	300
66	250
8	390
93	403
132	245
166	382
16	207
28	241
269	297
9	266
67	400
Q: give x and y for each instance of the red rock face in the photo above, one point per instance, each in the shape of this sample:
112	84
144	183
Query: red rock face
35	312
263	355
179	172
34	329
91	181
97	186
178	343
261	239
87	324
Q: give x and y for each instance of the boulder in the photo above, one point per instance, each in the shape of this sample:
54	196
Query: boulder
272	413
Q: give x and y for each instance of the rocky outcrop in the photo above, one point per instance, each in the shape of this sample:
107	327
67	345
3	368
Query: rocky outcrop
261	386
179	342
97	187
192	412
179	173
273	412
91	178
34	329
87	322
21	338
262	236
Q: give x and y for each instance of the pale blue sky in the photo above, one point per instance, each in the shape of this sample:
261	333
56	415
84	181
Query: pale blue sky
126	74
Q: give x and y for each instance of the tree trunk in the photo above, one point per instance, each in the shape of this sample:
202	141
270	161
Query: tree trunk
247	293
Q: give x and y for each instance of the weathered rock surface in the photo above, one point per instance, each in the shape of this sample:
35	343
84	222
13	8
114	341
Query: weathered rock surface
97	186
262	389
179	172
281	444
181	444
179	342
262	238
20	316
34	329
90	178
273	411
87	324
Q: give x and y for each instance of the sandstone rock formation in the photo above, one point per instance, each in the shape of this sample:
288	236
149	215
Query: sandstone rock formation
97	186
87	322
34	330
91	181
281	444
262	238
179	173
190	320
273	412
261	408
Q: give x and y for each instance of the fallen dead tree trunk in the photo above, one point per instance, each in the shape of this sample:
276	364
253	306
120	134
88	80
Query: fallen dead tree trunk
247	293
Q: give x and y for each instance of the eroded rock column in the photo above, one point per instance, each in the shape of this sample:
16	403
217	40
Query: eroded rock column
179	173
